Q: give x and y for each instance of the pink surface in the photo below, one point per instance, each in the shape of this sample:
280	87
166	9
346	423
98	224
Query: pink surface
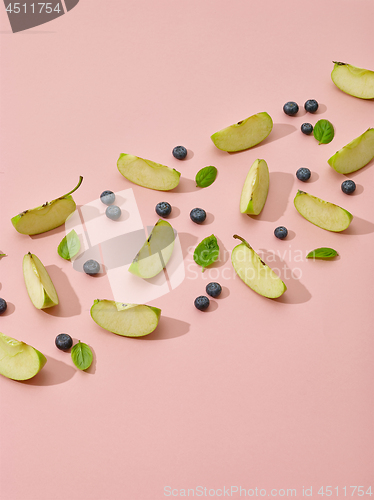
254	393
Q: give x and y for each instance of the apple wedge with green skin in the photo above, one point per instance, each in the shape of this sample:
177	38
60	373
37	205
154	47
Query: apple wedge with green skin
355	155
244	134
39	285
46	217
322	213
354	81
129	320
147	173
255	189
156	251
19	361
254	272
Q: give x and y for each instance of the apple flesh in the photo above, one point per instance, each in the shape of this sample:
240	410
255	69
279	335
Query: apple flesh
354	81
19	361
46	217
39	285
147	173
322	213
255	189
254	272
129	320
156	251
244	134
355	154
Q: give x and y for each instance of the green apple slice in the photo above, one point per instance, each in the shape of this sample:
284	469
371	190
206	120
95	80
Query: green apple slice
244	134
355	154
322	213
147	173
254	272
19	361
354	81
46	217
129	320
39	285
156	251
255	189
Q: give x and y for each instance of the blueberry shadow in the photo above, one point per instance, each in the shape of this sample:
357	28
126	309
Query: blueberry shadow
359	190
296	292
359	226
322	108
225	293
213	306
57	230
10	309
168	328
313	178
175	212
185	186
69	304
280	186
291	235
53	373
209	219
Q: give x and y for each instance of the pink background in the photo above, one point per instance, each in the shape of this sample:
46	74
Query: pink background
257	393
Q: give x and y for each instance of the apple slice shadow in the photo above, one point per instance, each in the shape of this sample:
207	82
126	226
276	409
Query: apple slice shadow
359	226
280	186
53	373
167	328
296	292
69	304
185	186
188	243
279	131
352	175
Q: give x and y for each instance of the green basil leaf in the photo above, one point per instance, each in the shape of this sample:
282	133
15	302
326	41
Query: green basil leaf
2	255
69	246
206	252
206	176
323	131
322	253
82	356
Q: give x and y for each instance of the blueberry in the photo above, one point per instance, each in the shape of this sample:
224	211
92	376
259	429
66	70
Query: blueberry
198	215
113	212
163	209
3	306
63	341
213	289
91	267
311	106
107	197
348	187
280	232
307	128
290	108
180	152
202	303
303	174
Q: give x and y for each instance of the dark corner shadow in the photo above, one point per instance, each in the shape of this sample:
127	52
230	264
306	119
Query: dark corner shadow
188	242
175	212
90	213
53	373
280	186
185	186
9	310
57	230
69	304
296	292
222	257
359	226
168	328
